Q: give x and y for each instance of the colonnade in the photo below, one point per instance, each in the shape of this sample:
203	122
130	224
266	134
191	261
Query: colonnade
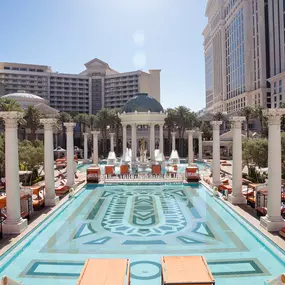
134	139
273	221
14	224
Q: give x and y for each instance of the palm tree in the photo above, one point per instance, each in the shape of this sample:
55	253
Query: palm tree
62	118
92	121
221	116
248	113
116	125
83	120
104	120
181	119
170	125
32	118
7	104
258	114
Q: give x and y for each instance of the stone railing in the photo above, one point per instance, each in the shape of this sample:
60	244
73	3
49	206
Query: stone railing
142	178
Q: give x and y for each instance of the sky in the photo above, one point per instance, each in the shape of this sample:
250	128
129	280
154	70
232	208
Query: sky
127	34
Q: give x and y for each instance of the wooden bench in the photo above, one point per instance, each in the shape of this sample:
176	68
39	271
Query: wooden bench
105	272
186	270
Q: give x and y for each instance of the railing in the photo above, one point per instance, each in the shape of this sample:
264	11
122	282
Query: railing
142	178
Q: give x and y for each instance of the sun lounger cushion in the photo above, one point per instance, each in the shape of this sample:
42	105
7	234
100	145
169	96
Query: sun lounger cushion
105	271
186	270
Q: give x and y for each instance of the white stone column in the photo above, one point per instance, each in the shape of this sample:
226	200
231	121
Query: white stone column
237	197
95	147
112	142
190	146
14	224
273	220
200	155
173	140
124	139
134	142
152	143
216	153
70	153
161	142
86	160
50	197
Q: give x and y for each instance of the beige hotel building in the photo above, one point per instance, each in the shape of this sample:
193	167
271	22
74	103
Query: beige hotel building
97	87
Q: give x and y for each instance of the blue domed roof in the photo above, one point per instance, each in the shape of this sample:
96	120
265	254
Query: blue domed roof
142	103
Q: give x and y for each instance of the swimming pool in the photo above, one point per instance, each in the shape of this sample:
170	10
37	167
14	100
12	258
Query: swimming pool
180	167
143	223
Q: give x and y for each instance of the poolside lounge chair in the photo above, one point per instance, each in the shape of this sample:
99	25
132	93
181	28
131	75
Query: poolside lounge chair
105	272
38	197
186	270
8	281
60	187
277	281
282	232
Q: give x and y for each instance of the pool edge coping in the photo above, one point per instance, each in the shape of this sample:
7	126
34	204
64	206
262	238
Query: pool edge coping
252	222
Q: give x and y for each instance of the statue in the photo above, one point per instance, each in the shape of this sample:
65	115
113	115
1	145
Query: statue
143	150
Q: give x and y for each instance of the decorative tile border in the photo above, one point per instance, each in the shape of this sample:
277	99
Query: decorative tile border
71	269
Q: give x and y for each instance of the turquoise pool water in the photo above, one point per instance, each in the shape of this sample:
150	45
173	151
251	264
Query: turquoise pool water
143	223
180	168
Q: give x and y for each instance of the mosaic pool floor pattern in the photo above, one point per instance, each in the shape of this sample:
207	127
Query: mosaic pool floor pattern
143	223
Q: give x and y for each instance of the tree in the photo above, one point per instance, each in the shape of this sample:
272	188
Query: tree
259	114
31	157
248	113
255	152
116	125
92	121
82	120
62	118
205	127
32	118
181	119
104	120
7	104
170	125
221	116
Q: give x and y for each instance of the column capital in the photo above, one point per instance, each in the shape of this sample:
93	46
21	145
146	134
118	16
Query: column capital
173	133
190	132
200	133
274	115
85	134
216	124
95	133
111	134
236	122
11	118
48	123
69	126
